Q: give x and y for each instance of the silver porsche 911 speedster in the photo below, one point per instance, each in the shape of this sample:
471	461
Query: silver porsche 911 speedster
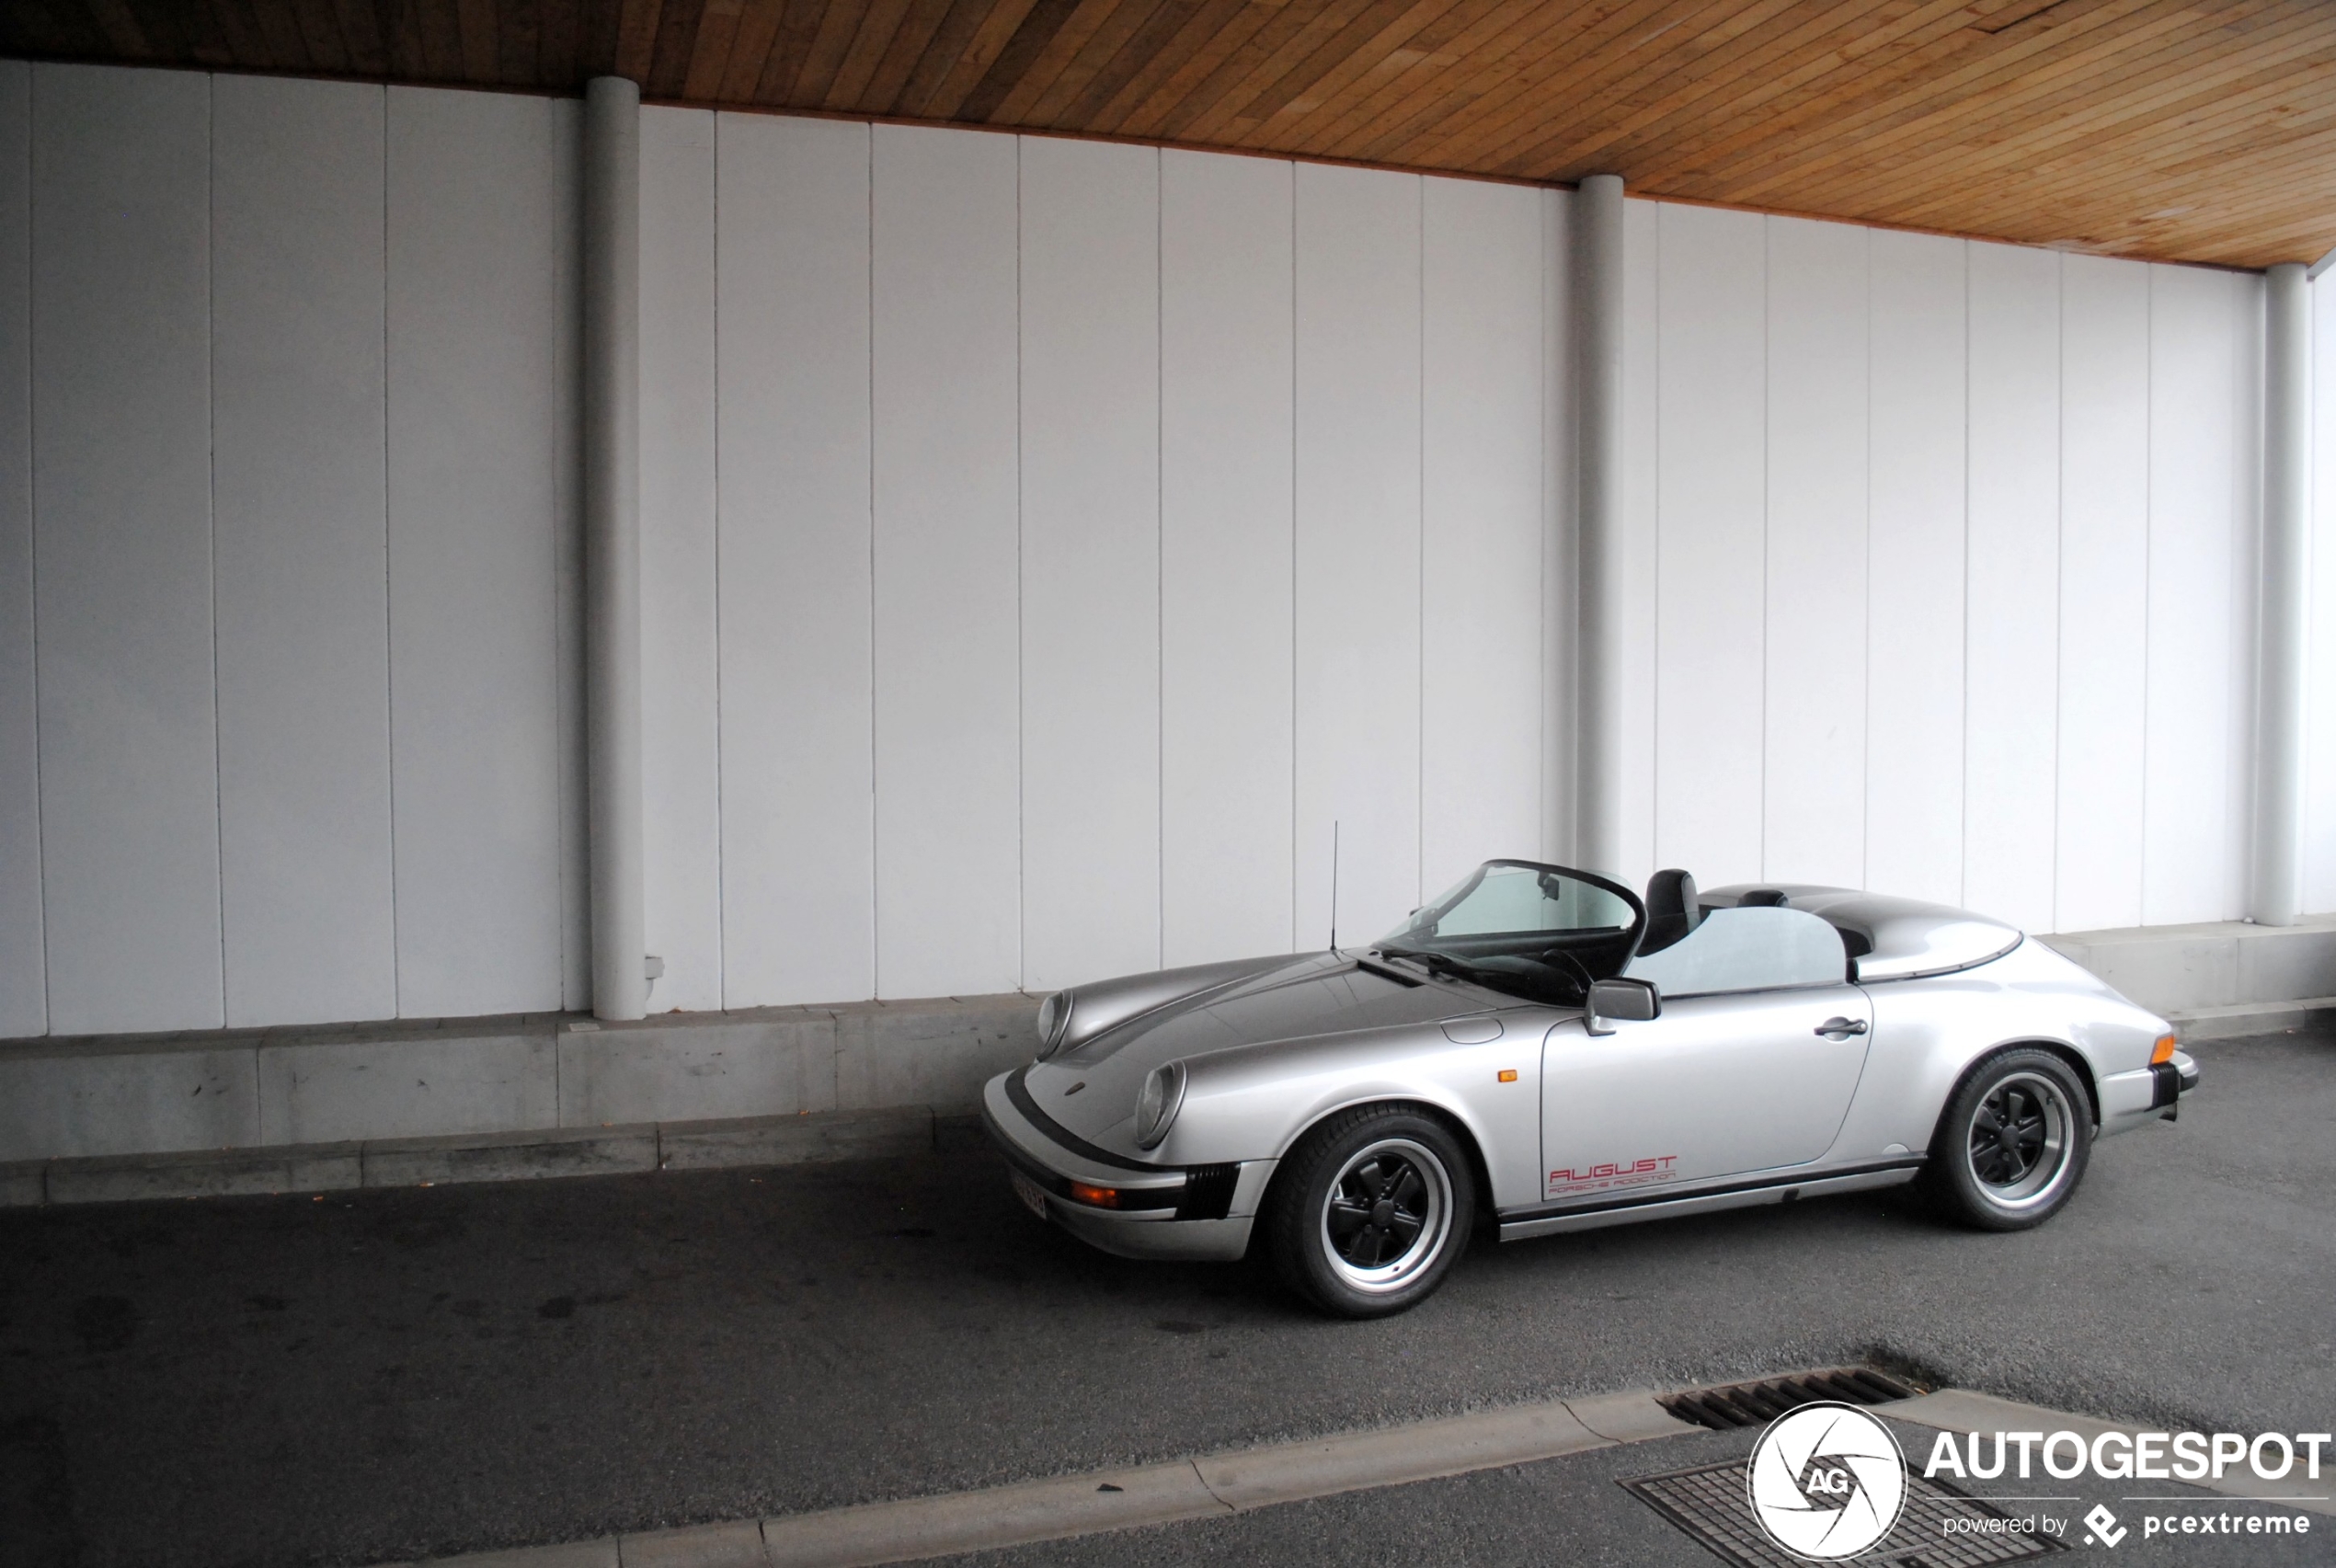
1543	1045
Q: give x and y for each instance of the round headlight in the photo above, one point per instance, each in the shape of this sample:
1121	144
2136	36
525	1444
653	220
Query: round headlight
1054	1022
1157	1104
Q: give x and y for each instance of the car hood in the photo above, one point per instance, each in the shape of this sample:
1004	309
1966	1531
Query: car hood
1091	1089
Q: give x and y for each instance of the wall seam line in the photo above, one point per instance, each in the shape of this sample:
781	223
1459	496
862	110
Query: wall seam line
876	816
32	532
211	508
721	909
389	603
1768	507
1160	557
1021	630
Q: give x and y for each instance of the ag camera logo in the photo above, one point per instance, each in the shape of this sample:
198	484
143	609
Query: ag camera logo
1826	1481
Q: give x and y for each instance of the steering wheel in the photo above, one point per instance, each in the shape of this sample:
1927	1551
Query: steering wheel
1559	958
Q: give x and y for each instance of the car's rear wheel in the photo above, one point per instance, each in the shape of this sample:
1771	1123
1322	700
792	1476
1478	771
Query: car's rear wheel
2013	1143
1369	1210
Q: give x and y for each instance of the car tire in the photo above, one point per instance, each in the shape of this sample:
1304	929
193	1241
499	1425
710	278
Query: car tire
1370	1211
2013	1143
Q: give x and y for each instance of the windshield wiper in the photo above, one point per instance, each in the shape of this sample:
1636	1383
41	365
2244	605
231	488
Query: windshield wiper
1437	965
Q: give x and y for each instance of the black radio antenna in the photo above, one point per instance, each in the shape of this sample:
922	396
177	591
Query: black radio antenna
1334	885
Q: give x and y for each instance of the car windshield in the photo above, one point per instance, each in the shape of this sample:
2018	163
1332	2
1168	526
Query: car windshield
1536	931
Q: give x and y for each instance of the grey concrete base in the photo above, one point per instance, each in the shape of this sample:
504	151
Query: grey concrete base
523	1076
807	1137
2188	969
2252	1018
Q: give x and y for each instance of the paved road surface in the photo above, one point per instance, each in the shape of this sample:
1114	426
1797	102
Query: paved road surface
279	1382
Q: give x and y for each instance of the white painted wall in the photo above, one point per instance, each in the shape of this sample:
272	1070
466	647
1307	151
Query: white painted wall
1942	569
1045	543
286	552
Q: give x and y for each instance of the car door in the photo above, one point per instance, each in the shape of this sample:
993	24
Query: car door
1735	1078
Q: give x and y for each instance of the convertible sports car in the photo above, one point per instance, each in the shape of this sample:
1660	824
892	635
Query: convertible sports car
1541	1044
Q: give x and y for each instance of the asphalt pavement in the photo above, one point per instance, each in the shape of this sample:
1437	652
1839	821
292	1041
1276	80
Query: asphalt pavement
385	1375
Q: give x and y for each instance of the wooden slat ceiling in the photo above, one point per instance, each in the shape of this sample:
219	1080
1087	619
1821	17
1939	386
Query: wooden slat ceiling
2183	129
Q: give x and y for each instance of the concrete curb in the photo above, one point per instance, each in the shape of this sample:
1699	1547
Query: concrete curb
808	1137
1209	1486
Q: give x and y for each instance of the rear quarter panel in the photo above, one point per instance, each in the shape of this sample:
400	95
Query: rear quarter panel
1928	1033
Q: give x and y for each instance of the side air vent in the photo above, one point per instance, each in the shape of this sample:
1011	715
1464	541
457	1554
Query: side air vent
1758	1403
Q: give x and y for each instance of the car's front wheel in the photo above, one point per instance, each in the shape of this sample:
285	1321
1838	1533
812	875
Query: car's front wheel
2013	1145
1368	1212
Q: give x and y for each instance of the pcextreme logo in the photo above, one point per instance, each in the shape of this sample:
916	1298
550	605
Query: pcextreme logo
1826	1481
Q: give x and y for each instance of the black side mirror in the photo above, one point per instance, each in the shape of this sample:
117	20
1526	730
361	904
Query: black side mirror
1620	1002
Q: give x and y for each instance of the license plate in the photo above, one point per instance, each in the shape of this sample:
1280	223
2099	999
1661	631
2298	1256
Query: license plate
1033	1196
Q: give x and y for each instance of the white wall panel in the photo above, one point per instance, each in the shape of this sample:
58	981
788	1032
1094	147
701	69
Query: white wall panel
680	743
122	485
2104	590
2242	528
2012	608
2187	804
1915	558
1560	592
1815	691
2319	765
1711	541
1090	221
563	302
301	551
1642	496
1357	549
798	802
24	990
1226	329
947	697
1481	527
474	353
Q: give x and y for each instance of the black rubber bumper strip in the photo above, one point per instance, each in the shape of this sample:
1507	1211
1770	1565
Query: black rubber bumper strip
2165	1084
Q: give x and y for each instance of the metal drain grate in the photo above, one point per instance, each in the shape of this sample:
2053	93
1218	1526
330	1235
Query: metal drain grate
1758	1403
1708	1502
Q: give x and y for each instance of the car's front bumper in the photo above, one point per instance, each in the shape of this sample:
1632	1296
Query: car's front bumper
1122	1206
2147	1093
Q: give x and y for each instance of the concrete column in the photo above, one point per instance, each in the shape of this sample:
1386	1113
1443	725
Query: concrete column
611	411
2276	890
1597	336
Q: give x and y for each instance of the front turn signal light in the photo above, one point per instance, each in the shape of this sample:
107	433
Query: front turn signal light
1100	1197
2165	1051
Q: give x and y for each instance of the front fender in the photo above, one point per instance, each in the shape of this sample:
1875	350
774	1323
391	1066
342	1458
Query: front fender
1255	1102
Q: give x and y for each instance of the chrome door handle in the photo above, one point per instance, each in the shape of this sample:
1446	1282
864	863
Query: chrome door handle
1841	1028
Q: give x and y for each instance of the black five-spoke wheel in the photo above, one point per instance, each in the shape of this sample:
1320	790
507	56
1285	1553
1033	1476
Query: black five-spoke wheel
2009	1135
1383	1201
2013	1142
1369	1209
